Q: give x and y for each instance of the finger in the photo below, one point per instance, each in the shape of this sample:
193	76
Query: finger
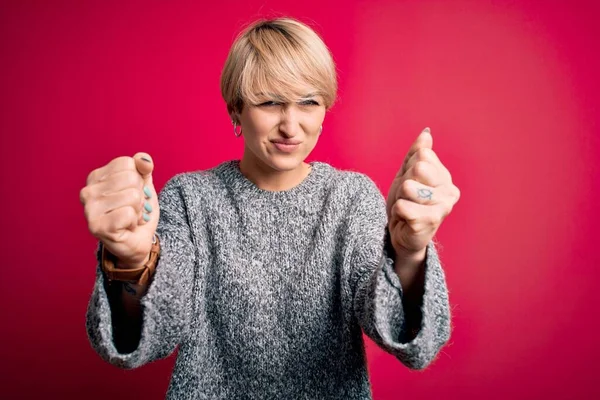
425	173
122	219
115	165
426	154
418	216
418	193
147	206
144	217
119	181
112	226
144	165
424	140
104	204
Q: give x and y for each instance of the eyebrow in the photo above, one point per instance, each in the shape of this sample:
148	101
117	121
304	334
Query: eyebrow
273	95
268	95
308	96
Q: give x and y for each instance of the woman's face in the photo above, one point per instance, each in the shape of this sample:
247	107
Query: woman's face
281	135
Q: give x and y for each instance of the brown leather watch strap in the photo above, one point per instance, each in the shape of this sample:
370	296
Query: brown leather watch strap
139	276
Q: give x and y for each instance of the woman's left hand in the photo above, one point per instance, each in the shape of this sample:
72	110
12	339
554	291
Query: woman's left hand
421	196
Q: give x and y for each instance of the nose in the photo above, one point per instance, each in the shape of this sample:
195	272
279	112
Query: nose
290	121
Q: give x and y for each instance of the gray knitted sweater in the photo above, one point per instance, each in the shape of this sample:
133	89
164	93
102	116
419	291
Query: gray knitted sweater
265	293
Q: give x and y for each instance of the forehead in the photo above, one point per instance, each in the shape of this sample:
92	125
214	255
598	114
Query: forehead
282	85
272	95
307	93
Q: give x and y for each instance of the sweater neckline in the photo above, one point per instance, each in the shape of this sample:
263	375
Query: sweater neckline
246	189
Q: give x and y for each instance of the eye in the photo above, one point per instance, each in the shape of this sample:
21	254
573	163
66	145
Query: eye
309	103
269	104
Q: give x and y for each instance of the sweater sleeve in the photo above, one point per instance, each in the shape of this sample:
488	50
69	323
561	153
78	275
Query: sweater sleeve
377	289
167	304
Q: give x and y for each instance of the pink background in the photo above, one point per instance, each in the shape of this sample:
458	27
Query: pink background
509	89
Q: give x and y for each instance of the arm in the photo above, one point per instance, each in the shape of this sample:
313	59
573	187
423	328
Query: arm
410	326
125	302
156	318
410	269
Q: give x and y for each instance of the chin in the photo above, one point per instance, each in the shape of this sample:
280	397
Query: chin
285	163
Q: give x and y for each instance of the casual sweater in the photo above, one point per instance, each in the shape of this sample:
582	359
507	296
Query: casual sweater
267	293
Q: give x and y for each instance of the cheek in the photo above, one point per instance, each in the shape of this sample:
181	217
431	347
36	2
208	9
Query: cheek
320	117
315	126
261	124
312	120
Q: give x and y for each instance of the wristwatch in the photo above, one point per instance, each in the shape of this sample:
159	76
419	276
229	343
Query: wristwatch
139	276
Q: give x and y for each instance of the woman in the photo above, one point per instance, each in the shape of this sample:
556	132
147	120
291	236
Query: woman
263	271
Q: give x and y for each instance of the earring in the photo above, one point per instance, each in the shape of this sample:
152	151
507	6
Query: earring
235	132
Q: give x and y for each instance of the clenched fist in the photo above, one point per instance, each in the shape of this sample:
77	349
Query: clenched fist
121	207
421	196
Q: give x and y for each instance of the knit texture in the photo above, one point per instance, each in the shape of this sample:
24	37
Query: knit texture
265	293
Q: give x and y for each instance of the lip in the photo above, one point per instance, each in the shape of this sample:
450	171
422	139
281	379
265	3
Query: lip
286	146
284	141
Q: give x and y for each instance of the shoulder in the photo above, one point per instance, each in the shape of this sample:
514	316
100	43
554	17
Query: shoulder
362	201
356	185
368	205
356	196
207	179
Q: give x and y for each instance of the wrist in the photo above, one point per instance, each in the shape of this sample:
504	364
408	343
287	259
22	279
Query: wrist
409	257
117	270
136	261
132	265
401	254
410	268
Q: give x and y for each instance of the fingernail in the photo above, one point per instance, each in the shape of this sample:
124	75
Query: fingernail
147	192
146	217
145	159
427	130
148	207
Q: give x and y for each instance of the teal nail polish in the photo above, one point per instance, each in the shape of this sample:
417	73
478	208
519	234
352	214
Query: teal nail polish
147	192
148	207
146	217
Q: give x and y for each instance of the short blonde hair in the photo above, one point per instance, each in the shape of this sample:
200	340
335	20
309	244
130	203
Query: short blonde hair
277	58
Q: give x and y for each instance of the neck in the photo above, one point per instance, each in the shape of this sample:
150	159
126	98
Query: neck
268	178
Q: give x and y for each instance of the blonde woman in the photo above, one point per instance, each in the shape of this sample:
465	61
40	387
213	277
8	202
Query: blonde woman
265	271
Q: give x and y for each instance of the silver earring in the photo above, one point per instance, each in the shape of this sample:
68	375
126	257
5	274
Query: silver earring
235	132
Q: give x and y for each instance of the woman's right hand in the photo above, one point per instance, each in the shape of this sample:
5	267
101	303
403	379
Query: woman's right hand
118	210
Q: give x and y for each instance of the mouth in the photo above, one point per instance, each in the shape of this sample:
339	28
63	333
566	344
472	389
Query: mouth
286	141
286	146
